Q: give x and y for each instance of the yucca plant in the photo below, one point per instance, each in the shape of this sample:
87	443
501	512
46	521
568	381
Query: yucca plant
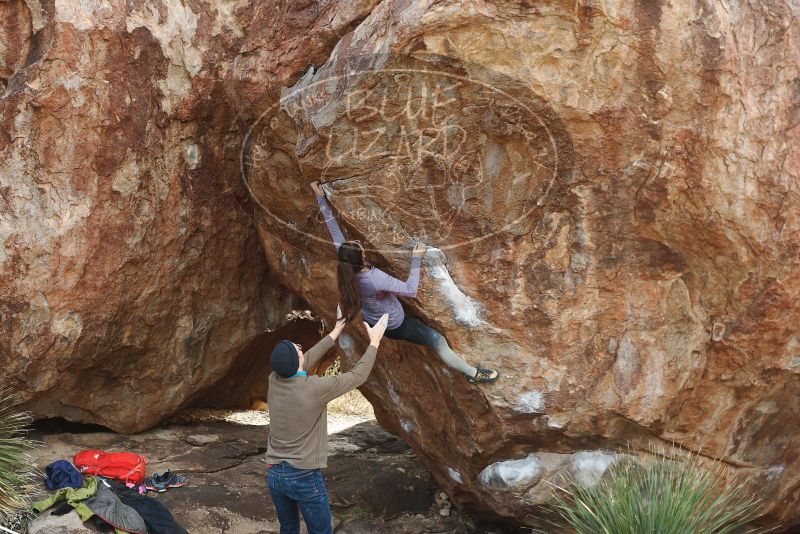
663	497
19	478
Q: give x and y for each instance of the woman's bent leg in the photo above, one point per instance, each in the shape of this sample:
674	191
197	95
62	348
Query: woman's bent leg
416	331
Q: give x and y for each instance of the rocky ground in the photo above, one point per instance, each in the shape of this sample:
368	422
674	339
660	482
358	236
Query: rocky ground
375	481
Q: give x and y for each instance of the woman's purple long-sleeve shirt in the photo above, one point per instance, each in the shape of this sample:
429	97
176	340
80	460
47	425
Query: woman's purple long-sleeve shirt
378	290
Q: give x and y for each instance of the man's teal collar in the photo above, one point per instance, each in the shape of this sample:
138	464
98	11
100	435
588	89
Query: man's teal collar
299	373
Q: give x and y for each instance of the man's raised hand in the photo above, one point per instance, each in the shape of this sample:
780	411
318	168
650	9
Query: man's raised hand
376	332
317	188
340	322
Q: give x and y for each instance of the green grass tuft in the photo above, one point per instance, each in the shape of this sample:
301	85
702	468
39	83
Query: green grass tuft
19	479
664	497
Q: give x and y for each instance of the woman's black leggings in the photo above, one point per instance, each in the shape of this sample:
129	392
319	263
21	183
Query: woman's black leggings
415	331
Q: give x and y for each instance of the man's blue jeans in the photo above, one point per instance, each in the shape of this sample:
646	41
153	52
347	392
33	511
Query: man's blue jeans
303	490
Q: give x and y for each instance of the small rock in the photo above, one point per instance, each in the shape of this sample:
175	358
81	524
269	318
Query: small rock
199	440
420	516
63	524
443	496
444	512
372	450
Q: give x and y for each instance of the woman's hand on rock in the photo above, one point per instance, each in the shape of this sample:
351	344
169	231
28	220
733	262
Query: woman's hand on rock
419	249
317	188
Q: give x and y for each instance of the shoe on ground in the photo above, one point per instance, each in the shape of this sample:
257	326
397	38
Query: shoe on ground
155	483
483	376
172	480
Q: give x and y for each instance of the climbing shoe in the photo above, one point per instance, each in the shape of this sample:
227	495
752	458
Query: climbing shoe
155	483
172	480
160	483
483	375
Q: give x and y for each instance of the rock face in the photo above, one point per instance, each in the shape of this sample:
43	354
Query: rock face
132	279
612	189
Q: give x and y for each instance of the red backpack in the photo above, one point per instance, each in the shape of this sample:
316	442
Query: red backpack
122	466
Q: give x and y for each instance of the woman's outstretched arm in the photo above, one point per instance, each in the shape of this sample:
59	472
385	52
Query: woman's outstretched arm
328	216
389	284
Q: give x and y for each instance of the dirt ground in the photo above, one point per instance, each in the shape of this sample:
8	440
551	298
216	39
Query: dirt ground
375	482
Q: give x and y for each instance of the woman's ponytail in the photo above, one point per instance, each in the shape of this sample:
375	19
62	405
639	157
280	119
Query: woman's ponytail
351	261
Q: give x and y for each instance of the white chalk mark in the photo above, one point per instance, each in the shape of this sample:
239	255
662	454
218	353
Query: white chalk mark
455	475
512	473
464	309
348	345
530	402
588	467
775	472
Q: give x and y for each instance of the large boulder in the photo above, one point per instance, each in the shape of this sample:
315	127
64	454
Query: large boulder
132	279
612	192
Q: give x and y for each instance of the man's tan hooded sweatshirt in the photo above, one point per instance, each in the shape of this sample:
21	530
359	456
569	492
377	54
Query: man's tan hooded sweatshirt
298	415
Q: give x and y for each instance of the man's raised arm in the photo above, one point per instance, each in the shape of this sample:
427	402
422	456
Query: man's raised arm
330	387
315	353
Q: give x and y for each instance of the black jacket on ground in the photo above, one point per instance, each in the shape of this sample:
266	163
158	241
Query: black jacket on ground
156	516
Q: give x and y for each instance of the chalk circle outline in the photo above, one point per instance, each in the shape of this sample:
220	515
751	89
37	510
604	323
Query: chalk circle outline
554	146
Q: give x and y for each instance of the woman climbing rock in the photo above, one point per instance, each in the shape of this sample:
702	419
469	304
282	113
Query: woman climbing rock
373	292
